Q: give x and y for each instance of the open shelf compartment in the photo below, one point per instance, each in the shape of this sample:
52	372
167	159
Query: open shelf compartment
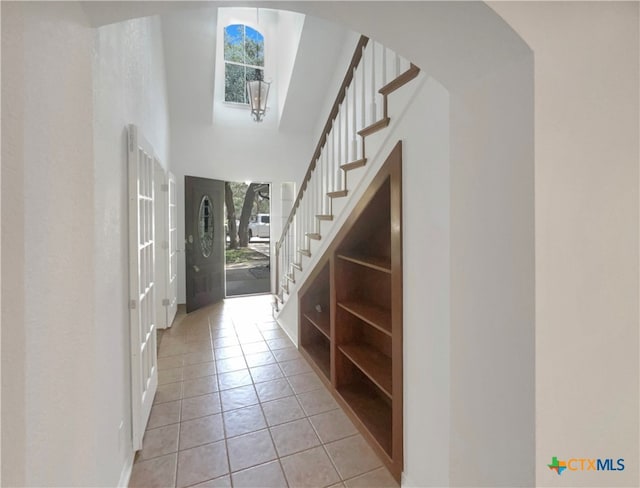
367	401
367	348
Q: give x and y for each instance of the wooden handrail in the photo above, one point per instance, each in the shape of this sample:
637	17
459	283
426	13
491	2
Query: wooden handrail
355	61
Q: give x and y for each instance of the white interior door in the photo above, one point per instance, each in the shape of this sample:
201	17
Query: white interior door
144	371
173	244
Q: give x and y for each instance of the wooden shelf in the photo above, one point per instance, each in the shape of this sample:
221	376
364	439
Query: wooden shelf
375	365
320	355
355	343
376	316
374	262
372	411
321	320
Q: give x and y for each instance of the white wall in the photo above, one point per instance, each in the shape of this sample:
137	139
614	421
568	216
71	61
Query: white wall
586	105
129	87
49	413
289	29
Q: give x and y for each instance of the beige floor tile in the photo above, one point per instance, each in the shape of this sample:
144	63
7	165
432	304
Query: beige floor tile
272	390
282	410
317	401
160	441
275	344
200	335
169	376
267	324
168	393
220	332
310	469
255	347
230	340
234	379
259	359
159	472
352	456
231	364
228	352
243	421
243	396
305	382
295	367
198	432
199	347
202	463
338	485
173	349
274	334
379	478
265	373
198	357
199	370
294	437
164	414
267	475
333	425
170	362
249	337
250	450
287	354
222	482
199	386
200	406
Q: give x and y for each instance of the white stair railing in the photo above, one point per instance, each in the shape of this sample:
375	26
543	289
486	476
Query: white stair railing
359	110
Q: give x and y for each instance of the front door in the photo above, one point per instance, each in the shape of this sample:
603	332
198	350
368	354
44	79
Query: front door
204	241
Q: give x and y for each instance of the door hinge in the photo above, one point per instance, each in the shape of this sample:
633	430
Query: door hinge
132	304
166	302
164	187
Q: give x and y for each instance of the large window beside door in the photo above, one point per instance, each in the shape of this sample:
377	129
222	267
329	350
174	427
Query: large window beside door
243	61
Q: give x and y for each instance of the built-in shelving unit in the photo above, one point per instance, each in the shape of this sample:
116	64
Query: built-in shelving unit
315	320
351	315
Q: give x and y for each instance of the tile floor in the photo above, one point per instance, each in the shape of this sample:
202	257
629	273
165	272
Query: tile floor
238	406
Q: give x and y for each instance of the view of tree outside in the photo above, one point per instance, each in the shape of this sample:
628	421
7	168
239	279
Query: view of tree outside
243	59
253	199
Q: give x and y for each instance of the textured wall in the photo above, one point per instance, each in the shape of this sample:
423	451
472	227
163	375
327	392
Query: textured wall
49	186
129	88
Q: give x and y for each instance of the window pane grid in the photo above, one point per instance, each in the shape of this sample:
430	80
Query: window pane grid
244	61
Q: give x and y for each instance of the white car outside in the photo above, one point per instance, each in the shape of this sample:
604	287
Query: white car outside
259	226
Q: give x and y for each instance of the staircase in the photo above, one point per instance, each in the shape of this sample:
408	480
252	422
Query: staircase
360	111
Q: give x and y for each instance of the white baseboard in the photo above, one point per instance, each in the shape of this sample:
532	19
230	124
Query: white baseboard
125	474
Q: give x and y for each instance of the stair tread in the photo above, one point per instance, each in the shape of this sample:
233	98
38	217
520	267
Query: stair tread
314	235
375	127
305	252
338	193
298	266
401	80
324	217
354	164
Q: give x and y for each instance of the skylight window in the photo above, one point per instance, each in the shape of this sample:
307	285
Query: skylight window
243	61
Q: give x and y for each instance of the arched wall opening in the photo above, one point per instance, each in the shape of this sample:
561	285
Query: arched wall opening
469	312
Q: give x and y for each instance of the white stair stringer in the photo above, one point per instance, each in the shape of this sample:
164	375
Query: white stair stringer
378	146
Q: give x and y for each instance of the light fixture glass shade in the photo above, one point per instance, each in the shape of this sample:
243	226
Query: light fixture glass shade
258	92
